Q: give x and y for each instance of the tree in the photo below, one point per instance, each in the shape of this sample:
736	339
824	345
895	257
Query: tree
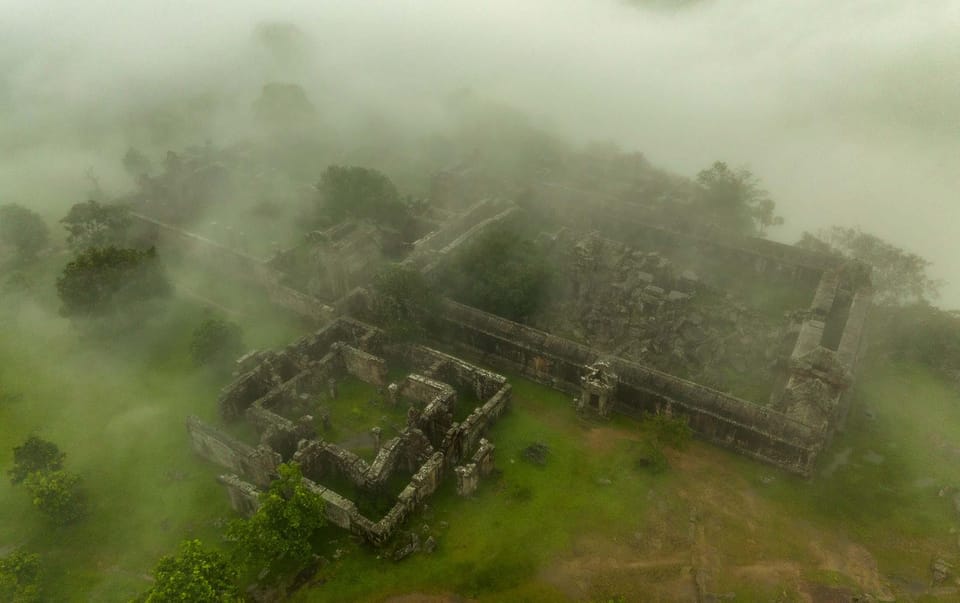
733	200
194	574
403	302
283	105
92	224
35	454
23	229
58	494
216	342
899	277
20	574
360	192
101	280
501	272
136	163
278	538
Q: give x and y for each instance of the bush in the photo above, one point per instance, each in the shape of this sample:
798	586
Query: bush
35	454
193	574
404	303
501	272
673	431
359	192
20	575
58	495
650	457
216	343
278	538
23	229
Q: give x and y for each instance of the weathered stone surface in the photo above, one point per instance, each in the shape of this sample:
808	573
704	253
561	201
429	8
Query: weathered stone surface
287	381
256	464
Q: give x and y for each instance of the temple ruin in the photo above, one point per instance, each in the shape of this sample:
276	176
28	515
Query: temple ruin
653	319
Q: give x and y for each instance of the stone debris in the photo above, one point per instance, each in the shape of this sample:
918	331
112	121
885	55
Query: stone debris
941	570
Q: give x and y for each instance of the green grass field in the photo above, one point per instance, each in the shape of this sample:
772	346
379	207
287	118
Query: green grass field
117	408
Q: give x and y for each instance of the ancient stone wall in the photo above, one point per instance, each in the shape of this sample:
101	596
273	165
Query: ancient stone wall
244	496
744	426
227	262
450	369
366	367
276	381
257	464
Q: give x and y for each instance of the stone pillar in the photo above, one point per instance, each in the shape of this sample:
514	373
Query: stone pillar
393	394
332	388
376	434
413	417
468	479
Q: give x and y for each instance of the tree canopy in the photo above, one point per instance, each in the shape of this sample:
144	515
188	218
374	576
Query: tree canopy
278	538
502	272
101	280
403	302
58	494
93	224
20	577
194	574
23	229
733	200
359	192
899	276
216	342
35	454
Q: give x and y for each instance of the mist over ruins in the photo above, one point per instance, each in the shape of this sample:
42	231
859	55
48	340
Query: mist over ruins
306	312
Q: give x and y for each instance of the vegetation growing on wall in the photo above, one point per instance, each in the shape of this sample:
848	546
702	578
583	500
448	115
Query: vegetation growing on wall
503	272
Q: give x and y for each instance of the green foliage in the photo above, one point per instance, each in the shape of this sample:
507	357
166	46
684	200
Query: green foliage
733	200
58	494
359	192
35	454
92	224
136	163
101	280
899	277
649	457
673	431
283	105
216	343
20	575
502	272
403	302
194	574
23	229
278	538
917	333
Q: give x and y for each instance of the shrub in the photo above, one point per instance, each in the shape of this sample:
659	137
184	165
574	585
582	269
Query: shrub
673	431
58	495
20	575
216	342
194	574
35	454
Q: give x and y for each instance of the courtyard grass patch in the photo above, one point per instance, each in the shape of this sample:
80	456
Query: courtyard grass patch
519	520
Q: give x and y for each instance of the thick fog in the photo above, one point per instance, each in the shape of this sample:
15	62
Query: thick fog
848	111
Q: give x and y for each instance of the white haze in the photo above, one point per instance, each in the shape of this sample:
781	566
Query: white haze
848	111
